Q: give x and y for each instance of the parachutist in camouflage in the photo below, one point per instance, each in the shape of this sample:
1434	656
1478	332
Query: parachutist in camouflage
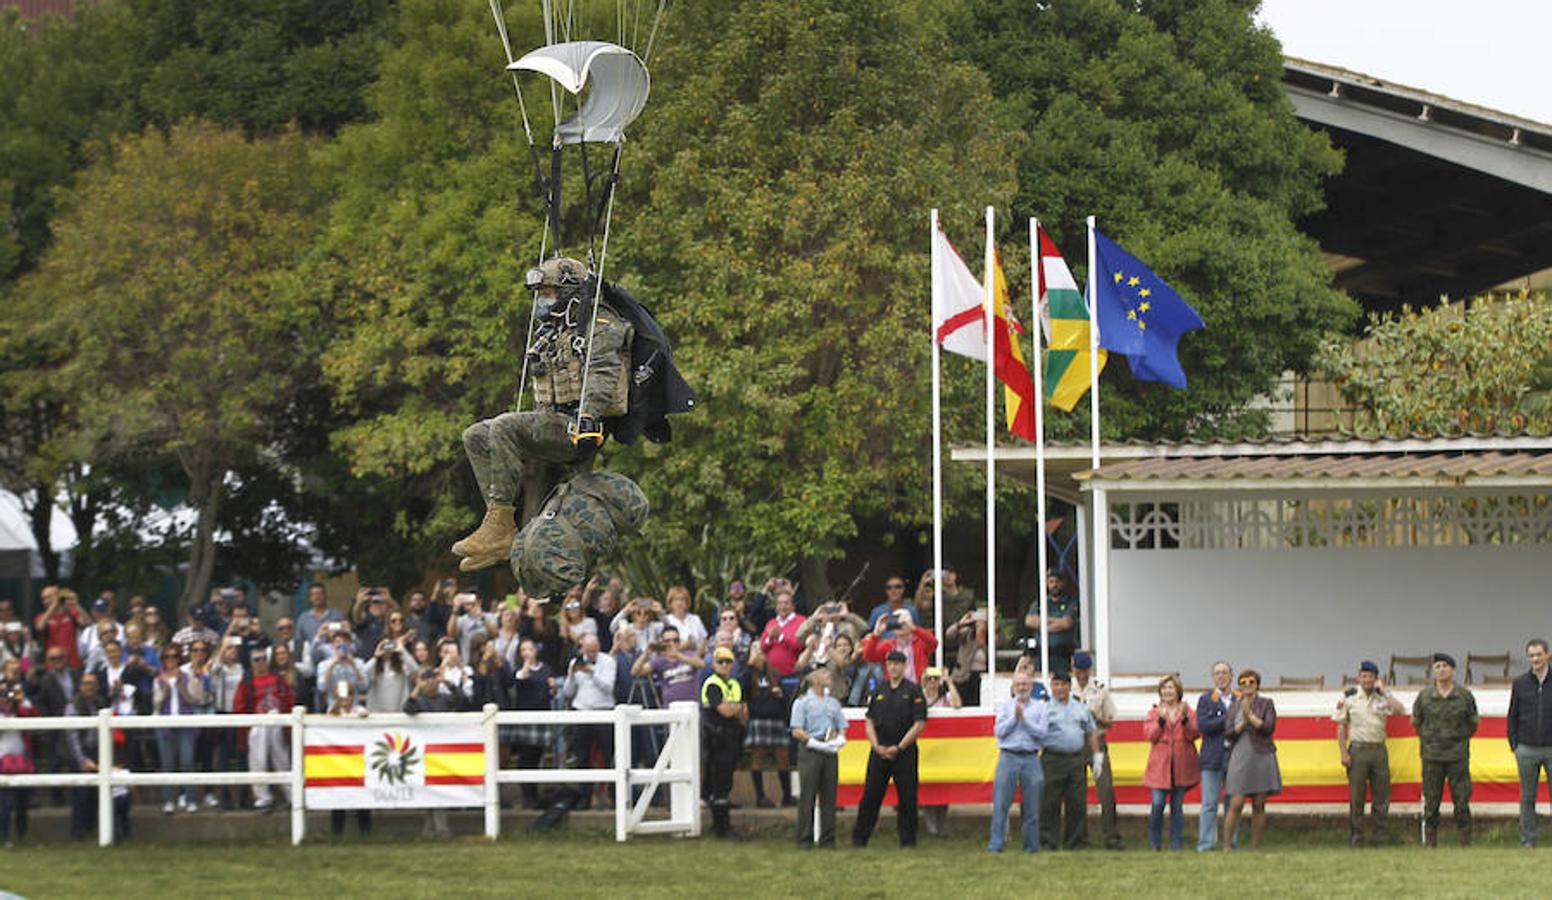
564	425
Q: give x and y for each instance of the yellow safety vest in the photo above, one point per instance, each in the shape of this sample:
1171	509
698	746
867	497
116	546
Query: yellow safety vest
732	691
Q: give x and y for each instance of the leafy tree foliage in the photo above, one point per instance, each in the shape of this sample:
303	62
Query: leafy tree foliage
794	151
1475	366
1166	120
160	310
260	66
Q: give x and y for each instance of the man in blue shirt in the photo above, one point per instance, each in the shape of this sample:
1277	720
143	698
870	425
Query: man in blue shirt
1070	743
819	727
1212	711
1020	726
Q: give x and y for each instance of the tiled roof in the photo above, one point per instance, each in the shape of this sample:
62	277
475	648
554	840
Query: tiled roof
1440	467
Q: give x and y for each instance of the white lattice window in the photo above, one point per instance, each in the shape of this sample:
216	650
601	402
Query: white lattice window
1291	522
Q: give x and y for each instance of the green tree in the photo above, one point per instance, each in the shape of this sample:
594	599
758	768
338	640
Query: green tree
261	66
161	308
793	152
1474	366
107	71
1166	120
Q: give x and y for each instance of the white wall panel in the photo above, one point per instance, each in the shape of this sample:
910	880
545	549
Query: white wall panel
1320	611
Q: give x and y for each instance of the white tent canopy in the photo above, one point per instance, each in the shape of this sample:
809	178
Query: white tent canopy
16	532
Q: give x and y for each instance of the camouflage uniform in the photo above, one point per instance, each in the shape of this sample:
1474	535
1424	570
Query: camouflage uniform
582	521
497	447
563	427
1444	729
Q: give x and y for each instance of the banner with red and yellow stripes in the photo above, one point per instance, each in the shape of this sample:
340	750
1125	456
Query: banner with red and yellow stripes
958	759
359	765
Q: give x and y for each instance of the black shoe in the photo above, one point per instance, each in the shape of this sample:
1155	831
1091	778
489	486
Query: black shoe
789	801
764	803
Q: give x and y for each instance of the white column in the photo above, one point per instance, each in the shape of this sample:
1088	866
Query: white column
1085	577
1102	583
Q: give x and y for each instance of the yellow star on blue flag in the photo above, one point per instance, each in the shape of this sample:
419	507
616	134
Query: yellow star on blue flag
1140	317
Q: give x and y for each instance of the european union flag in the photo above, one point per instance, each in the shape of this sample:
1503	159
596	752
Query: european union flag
1140	316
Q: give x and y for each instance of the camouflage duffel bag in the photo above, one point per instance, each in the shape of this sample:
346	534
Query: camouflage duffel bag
581	522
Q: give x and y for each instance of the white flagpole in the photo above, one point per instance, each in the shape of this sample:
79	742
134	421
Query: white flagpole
937	466
1040	534
1100	519
1093	306
991	444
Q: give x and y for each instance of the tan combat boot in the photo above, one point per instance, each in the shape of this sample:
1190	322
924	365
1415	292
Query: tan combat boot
1430	836
1465	837
494	536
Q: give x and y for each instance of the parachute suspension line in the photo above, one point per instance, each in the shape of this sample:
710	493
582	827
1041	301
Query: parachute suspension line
533	150
605	196
549	39
598	290
533	308
652	35
533	153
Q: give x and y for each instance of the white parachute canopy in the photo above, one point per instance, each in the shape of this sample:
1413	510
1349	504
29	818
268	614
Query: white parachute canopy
616	95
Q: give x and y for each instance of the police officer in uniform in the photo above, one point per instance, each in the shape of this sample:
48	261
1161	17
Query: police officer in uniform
723	716
563	427
897	713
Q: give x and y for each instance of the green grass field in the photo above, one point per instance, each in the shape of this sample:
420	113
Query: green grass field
1294	863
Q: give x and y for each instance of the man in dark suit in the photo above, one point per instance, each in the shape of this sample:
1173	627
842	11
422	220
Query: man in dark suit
55	687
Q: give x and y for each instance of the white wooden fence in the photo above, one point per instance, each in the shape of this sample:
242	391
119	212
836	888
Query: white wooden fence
677	766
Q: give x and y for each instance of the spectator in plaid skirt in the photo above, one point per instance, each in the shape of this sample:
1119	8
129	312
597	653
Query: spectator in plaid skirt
533	688
767	737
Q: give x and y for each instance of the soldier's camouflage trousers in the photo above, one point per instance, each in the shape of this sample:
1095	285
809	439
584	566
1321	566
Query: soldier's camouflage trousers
1458	773
497	448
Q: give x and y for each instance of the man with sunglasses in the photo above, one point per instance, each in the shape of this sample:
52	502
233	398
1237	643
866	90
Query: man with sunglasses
894	601
724	715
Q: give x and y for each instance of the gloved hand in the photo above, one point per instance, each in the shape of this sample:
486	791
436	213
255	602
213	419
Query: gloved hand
837	743
1098	762
817	745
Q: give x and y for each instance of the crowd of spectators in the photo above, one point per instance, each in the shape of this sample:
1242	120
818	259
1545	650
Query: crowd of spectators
451	649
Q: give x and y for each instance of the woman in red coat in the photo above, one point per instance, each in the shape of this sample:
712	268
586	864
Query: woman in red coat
1172	763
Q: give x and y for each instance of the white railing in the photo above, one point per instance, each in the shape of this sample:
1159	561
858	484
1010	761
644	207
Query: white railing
677	765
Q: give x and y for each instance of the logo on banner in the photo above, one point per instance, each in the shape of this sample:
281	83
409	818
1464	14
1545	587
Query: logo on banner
394	756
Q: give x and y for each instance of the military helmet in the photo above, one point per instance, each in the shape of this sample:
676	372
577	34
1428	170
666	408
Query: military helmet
562	272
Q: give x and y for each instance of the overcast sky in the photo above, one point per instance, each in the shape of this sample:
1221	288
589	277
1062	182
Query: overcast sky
1494	53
